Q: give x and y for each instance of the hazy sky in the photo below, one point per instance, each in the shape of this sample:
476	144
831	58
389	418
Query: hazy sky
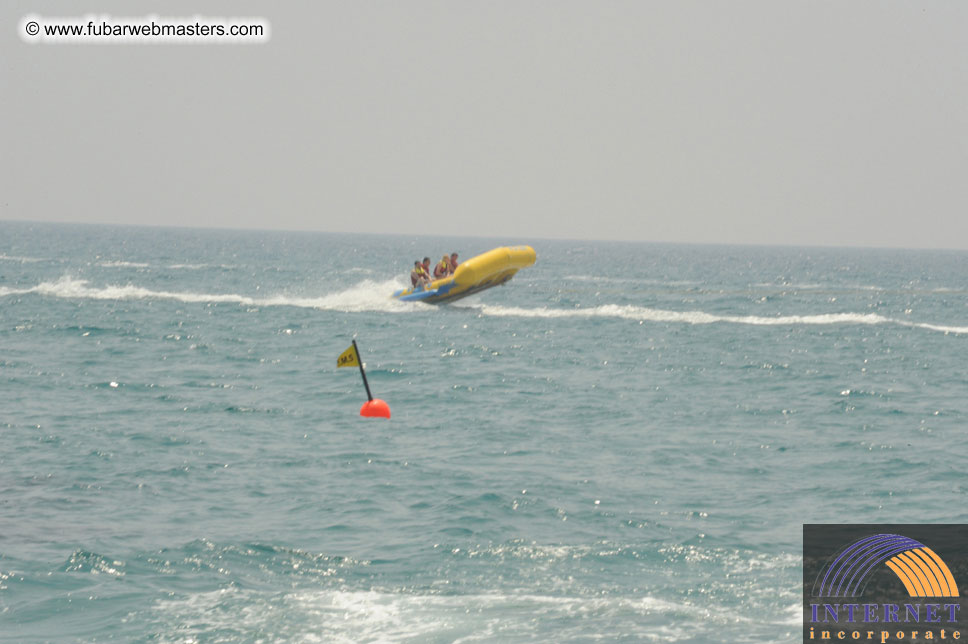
761	121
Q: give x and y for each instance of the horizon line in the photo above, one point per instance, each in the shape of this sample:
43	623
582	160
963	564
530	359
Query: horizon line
480	236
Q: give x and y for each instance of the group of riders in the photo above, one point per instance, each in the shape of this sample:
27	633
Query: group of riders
421	275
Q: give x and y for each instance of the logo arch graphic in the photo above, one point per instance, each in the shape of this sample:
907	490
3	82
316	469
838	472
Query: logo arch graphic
922	572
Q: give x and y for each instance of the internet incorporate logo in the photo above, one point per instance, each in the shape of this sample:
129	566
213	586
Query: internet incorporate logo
922	572
887	584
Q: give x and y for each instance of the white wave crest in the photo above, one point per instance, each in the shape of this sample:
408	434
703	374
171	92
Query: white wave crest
375	296
122	264
364	296
198	267
18	258
646	314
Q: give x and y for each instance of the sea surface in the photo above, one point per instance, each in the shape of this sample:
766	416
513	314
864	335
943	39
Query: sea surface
621	444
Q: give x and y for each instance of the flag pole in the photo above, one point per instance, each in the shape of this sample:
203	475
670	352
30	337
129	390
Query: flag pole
362	373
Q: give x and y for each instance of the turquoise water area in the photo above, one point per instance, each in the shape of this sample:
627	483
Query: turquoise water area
621	443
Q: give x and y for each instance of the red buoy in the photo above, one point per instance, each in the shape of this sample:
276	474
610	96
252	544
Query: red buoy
375	408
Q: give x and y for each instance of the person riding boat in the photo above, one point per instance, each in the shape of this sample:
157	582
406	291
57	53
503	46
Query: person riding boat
419	275
442	269
453	263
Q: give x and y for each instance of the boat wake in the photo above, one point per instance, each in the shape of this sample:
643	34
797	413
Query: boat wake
646	314
371	296
364	296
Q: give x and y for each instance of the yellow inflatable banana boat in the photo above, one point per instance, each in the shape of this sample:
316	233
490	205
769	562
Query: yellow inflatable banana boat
492	268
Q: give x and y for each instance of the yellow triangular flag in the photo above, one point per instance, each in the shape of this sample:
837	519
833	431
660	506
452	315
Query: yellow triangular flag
348	358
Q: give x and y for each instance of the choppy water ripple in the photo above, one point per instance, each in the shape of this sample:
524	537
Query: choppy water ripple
623	442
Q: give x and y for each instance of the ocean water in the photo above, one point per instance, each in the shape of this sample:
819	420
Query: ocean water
621	444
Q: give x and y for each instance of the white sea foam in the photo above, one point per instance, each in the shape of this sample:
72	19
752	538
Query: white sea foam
380	616
796	287
374	296
197	267
647	314
19	259
744	600
122	264
603	279
364	296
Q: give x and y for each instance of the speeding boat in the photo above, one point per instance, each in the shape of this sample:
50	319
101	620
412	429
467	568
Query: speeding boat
493	268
